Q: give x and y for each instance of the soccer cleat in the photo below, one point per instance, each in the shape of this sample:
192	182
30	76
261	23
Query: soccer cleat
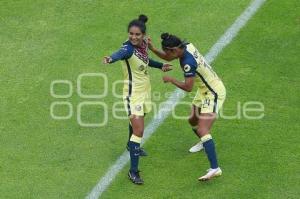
142	152
197	147
135	177
210	174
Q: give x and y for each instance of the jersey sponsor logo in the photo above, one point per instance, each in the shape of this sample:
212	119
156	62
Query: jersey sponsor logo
187	68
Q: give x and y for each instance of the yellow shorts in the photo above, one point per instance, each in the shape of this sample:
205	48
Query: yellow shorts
138	104
210	101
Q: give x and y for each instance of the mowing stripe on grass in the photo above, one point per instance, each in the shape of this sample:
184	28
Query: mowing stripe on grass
176	96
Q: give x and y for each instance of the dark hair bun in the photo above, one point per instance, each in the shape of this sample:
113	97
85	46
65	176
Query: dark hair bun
164	36
143	18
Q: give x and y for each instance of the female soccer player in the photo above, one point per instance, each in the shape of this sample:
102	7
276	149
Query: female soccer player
137	88
209	97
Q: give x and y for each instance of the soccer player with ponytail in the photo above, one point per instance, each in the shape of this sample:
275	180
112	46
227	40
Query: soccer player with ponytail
209	98
137	88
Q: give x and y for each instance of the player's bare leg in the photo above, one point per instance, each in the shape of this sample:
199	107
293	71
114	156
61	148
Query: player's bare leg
205	123
193	120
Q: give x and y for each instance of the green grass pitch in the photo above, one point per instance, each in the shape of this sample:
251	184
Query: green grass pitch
44	41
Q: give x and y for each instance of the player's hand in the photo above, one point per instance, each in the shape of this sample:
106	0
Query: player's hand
167	79
107	60
166	67
149	42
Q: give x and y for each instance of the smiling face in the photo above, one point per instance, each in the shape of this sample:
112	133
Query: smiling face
135	36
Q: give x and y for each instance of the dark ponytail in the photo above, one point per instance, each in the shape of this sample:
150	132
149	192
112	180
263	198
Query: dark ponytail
170	41
140	23
143	18
164	36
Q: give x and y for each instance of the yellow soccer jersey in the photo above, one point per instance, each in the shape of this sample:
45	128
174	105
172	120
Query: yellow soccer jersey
135	70
135	62
194	65
137	88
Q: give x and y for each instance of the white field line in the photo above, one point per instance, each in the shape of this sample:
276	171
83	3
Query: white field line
176	96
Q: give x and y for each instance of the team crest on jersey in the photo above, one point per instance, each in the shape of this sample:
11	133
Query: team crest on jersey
186	68
141	67
138	107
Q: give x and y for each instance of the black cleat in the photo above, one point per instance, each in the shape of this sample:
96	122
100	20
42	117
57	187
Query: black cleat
135	177
141	151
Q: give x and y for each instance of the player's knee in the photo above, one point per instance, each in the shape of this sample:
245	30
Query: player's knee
138	131
202	131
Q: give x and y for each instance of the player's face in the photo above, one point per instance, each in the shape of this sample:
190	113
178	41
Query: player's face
135	36
172	53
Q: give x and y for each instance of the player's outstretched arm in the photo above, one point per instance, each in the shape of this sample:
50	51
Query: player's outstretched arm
155	64
123	53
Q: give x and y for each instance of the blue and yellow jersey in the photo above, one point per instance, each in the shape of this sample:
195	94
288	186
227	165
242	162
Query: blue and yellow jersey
194	65
135	62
